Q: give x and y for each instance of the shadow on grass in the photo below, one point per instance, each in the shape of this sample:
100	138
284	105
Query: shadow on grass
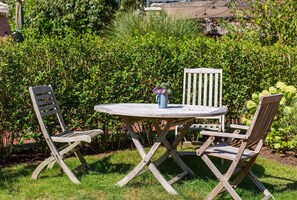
12	175
9	176
104	165
170	169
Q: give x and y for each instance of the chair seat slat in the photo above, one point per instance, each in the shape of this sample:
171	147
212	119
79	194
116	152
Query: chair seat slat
228	152
73	136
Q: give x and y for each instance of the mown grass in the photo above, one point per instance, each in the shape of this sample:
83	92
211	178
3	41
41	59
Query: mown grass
107	169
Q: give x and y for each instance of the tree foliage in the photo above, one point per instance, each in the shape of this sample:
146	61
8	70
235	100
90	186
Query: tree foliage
268	22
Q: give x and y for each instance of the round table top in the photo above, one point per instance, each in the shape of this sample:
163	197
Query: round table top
153	111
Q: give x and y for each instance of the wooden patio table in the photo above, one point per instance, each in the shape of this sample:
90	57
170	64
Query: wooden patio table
173	115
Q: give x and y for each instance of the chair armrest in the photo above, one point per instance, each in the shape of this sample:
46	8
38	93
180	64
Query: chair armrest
236	126
222	134
205	145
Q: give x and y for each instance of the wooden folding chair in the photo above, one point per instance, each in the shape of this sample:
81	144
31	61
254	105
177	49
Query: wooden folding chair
45	104
203	87
243	156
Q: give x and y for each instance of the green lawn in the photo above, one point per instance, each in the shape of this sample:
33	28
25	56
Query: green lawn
107	169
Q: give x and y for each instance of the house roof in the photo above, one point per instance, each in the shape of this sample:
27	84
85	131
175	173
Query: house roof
199	8
4	8
4	26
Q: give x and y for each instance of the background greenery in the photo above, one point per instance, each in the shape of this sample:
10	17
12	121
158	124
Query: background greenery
89	58
90	70
269	22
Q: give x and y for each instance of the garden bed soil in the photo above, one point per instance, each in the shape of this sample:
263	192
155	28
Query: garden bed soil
290	158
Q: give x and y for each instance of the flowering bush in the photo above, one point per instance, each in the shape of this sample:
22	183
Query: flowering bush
283	134
163	88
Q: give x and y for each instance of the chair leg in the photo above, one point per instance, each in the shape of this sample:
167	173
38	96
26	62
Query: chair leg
67	149
254	178
81	158
243	172
52	164
263	189
50	160
41	166
223	179
68	172
247	170
83	161
58	157
176	136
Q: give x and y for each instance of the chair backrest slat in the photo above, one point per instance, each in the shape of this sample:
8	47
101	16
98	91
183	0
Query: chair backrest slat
184	88
43	96
45	102
210	101
200	90
194	89
48	113
205	90
47	107
189	89
263	118
216	92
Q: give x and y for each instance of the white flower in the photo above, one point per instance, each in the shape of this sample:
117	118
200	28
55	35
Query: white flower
281	86
272	90
290	89
287	110
246	121
264	93
283	101
255	97
251	104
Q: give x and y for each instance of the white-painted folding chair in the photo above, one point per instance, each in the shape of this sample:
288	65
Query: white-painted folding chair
203	86
242	156
45	104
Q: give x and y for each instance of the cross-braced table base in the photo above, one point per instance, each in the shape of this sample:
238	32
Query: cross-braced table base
146	157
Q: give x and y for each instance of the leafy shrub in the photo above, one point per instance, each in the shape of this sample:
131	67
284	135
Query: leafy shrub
268	22
283	134
135	23
58	17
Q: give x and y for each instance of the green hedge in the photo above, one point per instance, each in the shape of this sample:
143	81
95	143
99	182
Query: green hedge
89	71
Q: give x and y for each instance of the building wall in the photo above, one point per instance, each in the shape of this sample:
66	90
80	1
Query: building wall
4	26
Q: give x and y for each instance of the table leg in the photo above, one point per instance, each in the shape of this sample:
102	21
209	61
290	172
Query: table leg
146	157
171	149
